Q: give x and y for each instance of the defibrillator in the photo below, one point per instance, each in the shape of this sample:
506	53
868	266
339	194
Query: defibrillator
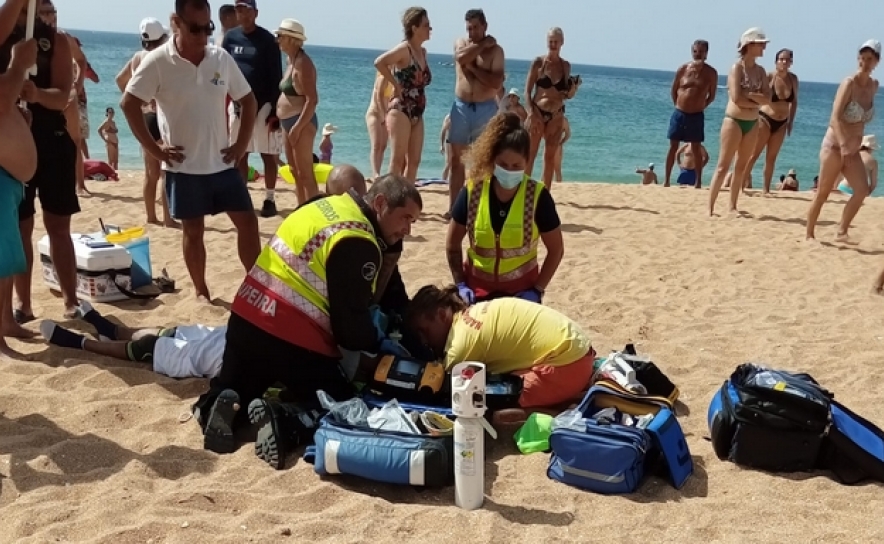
405	377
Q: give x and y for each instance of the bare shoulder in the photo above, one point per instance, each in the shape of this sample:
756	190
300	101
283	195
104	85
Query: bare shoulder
794	78
536	62
460	43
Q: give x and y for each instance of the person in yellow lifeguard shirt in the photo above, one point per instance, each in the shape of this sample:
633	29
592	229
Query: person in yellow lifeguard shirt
551	352
504	214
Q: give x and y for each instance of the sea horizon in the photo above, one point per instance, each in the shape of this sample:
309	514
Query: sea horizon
618	119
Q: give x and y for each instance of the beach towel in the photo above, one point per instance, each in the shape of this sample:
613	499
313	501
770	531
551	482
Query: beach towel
99	170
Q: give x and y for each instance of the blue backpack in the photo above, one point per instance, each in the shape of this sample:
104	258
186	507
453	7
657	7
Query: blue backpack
607	456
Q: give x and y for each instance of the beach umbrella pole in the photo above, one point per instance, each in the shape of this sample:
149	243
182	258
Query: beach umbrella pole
29	33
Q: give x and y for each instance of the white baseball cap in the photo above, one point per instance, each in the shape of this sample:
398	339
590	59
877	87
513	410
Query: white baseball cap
151	29
650	165
329	128
293	28
513	92
874	45
753	35
870	141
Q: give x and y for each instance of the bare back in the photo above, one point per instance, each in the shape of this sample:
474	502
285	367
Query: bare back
467	86
696	86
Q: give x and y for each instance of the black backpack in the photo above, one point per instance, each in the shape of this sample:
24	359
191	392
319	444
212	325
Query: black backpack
770	419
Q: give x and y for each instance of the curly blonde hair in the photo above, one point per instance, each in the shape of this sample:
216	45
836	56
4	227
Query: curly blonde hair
504	132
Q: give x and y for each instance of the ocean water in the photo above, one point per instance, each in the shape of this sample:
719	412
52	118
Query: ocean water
618	119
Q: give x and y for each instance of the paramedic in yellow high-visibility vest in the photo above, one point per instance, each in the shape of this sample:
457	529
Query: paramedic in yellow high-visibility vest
310	291
504	214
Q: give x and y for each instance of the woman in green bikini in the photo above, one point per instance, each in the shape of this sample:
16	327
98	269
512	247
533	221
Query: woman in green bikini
748	89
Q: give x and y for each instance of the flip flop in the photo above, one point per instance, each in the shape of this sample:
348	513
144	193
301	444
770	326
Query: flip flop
21	318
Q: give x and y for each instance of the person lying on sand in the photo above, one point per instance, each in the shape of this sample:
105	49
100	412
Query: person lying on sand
789	182
551	353
185	351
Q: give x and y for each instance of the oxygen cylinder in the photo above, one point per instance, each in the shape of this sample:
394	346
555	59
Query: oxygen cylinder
468	406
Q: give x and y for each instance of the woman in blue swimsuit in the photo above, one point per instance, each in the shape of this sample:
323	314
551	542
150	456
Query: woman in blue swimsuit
406	69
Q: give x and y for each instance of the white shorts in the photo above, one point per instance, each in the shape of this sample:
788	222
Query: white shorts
194	352
263	141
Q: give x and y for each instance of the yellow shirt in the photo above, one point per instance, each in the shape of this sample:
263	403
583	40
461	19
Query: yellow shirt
510	334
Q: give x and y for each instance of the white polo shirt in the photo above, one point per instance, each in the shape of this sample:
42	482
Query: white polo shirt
191	103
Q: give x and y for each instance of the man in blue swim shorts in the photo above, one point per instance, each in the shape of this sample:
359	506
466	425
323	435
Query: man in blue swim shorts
688	165
693	89
18	163
479	75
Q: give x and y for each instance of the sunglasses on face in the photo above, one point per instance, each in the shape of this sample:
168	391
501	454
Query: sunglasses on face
194	28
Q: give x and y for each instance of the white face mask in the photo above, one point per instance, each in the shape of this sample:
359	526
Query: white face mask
508	179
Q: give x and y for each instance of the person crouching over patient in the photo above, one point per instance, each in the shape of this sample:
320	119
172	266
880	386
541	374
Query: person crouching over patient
493	209
551	353
310	291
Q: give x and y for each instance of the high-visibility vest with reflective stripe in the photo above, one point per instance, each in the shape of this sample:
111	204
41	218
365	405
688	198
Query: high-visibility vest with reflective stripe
505	262
290	273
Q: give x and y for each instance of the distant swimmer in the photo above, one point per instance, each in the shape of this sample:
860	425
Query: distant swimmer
649	177
686	162
693	89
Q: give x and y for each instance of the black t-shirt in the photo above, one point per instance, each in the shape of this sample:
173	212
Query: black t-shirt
545	216
259	59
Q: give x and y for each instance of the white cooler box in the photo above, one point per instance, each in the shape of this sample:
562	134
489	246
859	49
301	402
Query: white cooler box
96	268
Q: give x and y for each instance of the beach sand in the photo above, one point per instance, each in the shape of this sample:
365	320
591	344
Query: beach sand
91	449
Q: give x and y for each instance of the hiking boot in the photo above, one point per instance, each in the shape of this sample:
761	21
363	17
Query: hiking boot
282	426
268	209
218	435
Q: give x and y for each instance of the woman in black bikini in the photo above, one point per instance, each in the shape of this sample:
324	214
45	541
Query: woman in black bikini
776	118
405	68
747	90
296	107
548	85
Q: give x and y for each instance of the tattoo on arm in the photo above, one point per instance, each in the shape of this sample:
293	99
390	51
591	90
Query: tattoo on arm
455	263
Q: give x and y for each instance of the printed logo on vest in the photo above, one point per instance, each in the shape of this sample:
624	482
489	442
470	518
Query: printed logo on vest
256	298
369	270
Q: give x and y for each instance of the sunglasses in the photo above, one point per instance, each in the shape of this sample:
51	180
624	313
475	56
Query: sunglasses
194	28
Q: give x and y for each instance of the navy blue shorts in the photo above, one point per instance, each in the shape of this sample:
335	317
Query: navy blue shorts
192	196
686	127
687	177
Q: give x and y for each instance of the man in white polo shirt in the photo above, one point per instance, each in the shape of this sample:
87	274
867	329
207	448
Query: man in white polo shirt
189	80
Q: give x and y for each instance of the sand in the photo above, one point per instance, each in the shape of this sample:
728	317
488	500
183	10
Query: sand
91	449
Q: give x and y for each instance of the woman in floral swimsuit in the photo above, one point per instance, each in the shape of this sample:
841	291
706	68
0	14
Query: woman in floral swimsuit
405	68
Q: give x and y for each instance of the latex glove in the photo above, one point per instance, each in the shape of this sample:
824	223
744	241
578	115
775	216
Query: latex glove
466	293
389	347
380	321
531	295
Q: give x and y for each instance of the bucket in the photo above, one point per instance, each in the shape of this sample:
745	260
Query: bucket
138	246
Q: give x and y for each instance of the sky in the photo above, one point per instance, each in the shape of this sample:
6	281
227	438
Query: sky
629	33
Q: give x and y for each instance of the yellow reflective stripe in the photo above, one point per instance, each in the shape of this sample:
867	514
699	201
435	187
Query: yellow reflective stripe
289	295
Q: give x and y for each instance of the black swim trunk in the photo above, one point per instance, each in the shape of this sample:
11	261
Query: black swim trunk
55	180
153	125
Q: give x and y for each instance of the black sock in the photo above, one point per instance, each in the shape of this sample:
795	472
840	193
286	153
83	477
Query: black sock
60	336
104	327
